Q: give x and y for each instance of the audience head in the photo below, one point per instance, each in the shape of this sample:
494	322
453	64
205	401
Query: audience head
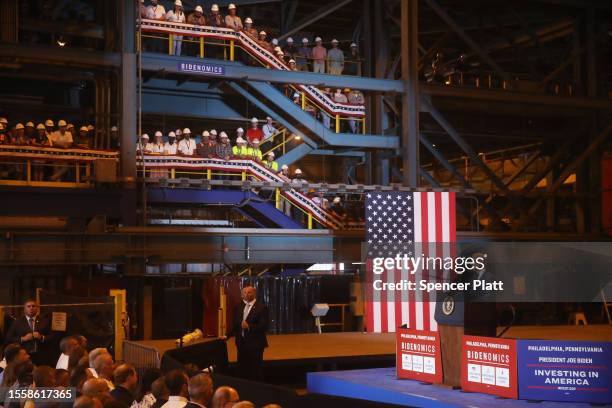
93	354
159	389
125	376
67	344
176	381
62	377
232	9
24	373
318	41
44	376
225	397
30	307
200	388
79	375
254	123
248	293
14	353
334	43
244	404
104	366
147	379
97	388
87	402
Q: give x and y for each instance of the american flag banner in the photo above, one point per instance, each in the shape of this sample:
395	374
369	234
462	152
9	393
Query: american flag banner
412	224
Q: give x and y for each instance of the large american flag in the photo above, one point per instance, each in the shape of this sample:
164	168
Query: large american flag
411	223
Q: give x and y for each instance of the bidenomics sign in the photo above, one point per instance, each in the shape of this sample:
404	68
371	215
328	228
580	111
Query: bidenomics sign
575	371
201	68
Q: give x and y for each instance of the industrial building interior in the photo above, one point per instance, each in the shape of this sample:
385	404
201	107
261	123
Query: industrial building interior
505	103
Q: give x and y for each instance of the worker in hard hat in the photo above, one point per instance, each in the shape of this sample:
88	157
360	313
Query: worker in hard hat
261	40
179	135
270	163
215	19
82	140
284	172
187	146
248	28
254	152
176	15
292	65
232	20
223	150
337	208
142	144
240	149
61	137
49	126
254	132
171	146
335	57
213	138
18	135
158	146
196	18
319	56
30	131
204	148
290	49
303	56
352	64
41	138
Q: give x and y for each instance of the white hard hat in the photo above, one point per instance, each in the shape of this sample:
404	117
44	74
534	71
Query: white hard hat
158	134
292	61
214	7
199	8
270	154
284	167
254	120
290	40
83	129
40	126
30	124
186	130
171	134
240	140
19	126
277	49
317	39
205	133
145	136
213	132
255	141
268	118
248	20
62	122
275	41
223	135
178	3
336	200
334	41
90	127
296	95
232	6
3	120
262	32
240	130
305	40
353	44
114	129
49	122
298	171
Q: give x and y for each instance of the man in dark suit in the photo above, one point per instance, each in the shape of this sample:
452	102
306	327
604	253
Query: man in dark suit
249	328
31	331
126	382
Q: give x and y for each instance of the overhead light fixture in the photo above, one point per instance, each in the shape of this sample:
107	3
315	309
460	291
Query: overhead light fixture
61	42
298	137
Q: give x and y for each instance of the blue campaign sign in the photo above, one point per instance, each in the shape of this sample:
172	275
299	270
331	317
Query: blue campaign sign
577	371
201	68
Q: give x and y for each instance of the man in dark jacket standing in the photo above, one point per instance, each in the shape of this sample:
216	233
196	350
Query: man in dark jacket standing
249	327
31	331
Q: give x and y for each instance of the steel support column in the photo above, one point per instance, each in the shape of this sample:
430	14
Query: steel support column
410	98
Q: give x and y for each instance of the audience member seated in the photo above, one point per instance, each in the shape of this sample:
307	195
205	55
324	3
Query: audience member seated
177	383
200	389
97	388
67	344
146	399
159	389
224	396
126	382
104	366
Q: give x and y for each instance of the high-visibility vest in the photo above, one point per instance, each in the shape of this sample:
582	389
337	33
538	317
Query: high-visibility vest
271	165
240	150
254	153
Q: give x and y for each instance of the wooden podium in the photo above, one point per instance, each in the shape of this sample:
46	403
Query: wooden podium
457	316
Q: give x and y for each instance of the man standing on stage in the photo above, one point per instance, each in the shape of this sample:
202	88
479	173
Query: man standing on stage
249	328
30	331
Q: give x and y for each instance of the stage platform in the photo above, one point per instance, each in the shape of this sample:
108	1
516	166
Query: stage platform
291	349
381	385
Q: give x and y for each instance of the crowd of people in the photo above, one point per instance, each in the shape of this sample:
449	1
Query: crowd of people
52	134
302	57
97	379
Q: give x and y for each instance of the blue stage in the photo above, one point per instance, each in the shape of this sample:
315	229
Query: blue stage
380	384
